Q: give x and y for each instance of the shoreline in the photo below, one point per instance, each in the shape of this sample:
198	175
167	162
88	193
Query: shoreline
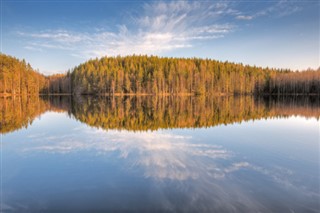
159	94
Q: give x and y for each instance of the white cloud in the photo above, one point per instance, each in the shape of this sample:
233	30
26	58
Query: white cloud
278	9
242	17
161	26
33	48
158	28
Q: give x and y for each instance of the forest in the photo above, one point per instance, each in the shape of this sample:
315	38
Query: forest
139	74
17	77
142	113
155	75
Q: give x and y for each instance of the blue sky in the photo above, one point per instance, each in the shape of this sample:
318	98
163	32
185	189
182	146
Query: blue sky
57	35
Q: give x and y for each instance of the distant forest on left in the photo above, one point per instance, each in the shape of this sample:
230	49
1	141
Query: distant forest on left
155	75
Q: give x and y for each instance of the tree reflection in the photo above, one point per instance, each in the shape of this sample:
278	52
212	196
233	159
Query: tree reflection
140	113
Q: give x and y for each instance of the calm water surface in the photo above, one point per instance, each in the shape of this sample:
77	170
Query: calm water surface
202	155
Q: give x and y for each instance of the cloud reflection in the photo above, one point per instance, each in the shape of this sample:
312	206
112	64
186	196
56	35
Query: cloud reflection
180	168
159	154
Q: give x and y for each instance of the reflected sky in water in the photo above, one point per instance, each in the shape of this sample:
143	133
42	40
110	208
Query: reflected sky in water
60	164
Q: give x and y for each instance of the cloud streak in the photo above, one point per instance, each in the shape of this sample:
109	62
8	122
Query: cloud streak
277	9
242	17
160	27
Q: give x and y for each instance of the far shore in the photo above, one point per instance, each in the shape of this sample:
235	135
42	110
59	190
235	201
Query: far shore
115	94
4	95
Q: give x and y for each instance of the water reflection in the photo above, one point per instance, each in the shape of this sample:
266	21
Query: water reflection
160	155
152	113
169	170
61	164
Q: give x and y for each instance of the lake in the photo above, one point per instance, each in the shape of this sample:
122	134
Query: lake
160	154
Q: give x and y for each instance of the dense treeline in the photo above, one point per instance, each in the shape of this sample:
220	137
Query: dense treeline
306	82
156	75
59	84
17	77
151	113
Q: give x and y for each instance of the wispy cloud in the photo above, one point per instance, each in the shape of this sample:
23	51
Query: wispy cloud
33	48
158	28
242	17
58	35
277	9
161	26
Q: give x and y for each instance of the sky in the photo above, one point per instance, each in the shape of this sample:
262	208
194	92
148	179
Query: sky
56	35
